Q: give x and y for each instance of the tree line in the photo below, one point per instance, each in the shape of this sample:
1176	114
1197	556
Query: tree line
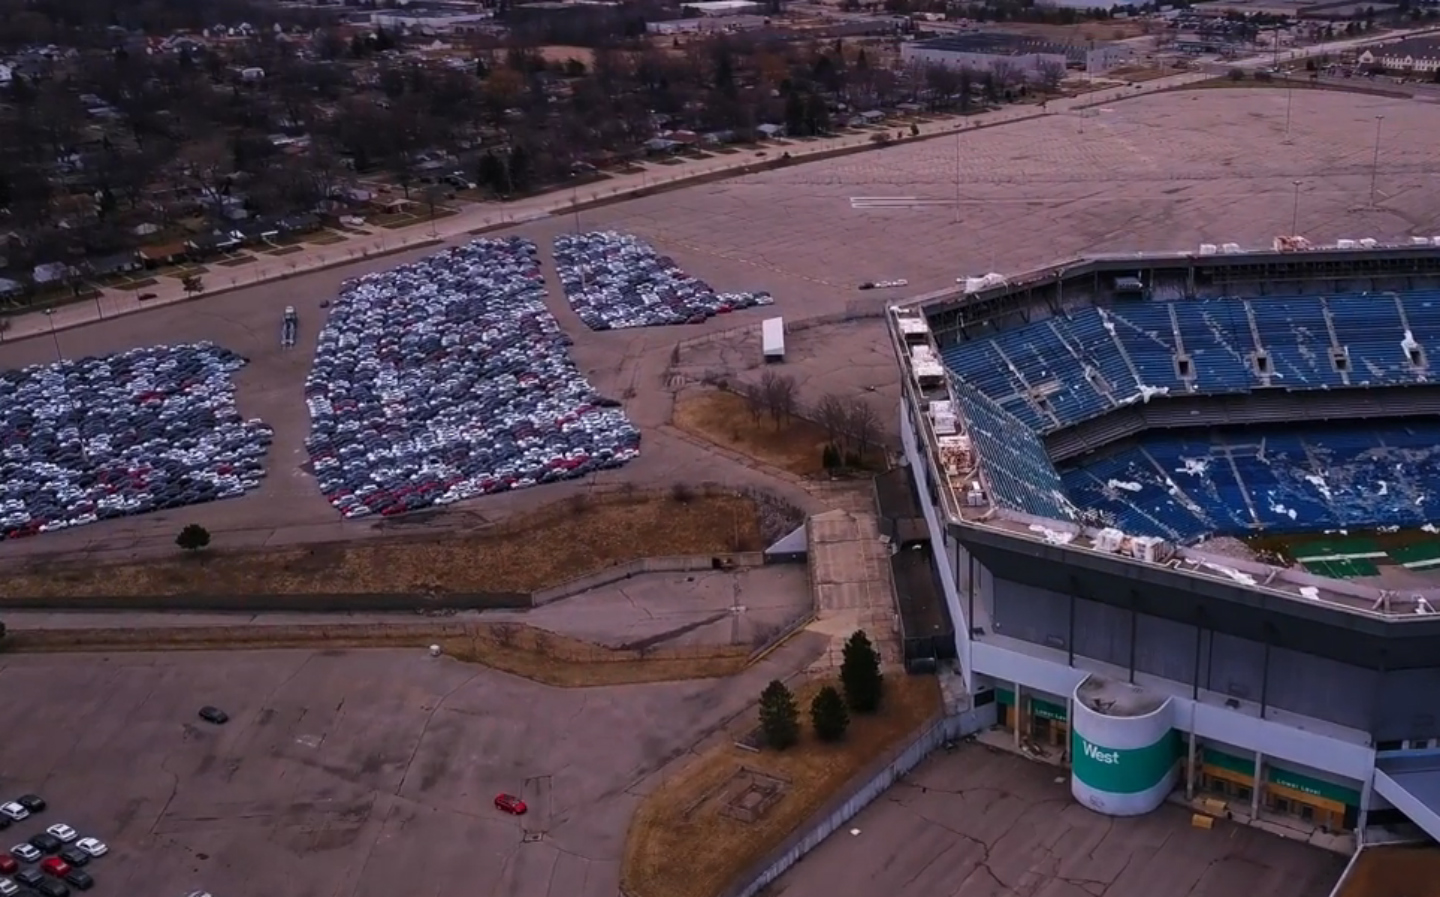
114	138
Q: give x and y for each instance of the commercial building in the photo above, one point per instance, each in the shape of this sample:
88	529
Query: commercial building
1415	55
1078	435
713	8
983	50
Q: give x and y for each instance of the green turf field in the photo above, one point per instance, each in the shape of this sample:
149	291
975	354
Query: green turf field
1348	557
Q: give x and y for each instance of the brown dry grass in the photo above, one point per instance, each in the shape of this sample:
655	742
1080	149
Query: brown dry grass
561	53
1395	872
1137	74
514	648
724	418
679	844
554	544
1080	31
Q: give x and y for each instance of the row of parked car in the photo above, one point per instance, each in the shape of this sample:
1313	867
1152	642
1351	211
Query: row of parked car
616	281
434	382
93	438
447	379
48	863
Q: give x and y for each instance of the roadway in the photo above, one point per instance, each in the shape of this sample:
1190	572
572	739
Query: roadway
483	216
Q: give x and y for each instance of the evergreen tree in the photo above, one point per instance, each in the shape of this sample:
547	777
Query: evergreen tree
779	717
193	537
828	715
860	674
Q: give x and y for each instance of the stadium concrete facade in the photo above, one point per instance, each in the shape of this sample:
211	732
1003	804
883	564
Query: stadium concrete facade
1092	606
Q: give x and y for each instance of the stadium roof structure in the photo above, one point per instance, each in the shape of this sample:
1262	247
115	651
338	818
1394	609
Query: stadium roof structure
993	475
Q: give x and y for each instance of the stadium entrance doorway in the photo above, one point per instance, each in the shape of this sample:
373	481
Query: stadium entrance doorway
1227	776
1044	721
1324	804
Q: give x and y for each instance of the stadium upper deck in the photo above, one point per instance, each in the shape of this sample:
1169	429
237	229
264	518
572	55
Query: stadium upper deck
1013	376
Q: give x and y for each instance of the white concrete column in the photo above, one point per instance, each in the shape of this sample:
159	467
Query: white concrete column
1367	791
1019	714
1255	785
1190	765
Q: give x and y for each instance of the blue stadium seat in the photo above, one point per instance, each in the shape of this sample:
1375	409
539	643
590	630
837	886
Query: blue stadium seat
1129	492
1422	311
1295	337
1148	335
1086	331
1017	468
979	363
1051	371
1370	329
1182	486
1216	335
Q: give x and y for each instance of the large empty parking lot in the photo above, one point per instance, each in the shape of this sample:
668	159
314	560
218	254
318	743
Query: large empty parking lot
980	823
342	774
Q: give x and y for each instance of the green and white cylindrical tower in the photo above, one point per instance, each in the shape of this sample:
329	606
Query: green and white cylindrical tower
1124	750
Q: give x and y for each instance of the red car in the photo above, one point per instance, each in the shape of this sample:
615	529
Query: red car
511	804
8	866
55	866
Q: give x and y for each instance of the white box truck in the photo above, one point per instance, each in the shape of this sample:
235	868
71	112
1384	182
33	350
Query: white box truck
772	339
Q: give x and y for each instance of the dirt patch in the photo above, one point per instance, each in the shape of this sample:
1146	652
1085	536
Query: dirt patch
1139	74
561	53
725	419
1395	871
237	262
1079	32
549	546
514	648
329	238
720	816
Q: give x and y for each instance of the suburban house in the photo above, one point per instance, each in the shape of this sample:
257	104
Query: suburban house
166	254
1420	55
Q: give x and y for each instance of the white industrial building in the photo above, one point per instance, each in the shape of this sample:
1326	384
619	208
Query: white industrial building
713	8
982	51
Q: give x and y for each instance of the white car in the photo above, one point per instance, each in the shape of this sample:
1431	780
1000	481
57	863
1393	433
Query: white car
63	833
25	853
8	888
13	811
93	846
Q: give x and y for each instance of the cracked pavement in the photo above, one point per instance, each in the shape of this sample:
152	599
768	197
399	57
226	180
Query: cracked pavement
348	774
977	822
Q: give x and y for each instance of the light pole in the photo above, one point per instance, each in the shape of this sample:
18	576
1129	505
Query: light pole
1375	161
957	178
575	199
1289	102
50	316
1295	212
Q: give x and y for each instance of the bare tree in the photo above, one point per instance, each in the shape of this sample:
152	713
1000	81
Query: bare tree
1051	72
863	425
779	393
1007	74
833	414
755	401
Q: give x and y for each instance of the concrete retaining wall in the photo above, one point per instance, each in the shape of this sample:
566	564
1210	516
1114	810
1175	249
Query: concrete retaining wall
867	787
388	603
672	564
373	603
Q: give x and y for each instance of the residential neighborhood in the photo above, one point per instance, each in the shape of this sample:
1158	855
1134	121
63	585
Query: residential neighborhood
180	134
